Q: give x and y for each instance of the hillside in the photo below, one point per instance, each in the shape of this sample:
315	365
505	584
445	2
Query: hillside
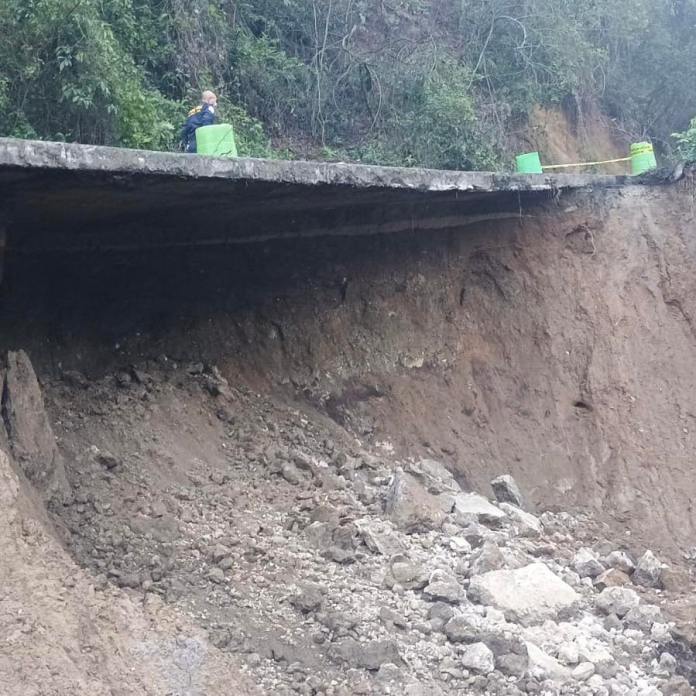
451	84
294	424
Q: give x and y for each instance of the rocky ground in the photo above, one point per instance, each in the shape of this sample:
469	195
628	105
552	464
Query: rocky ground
320	566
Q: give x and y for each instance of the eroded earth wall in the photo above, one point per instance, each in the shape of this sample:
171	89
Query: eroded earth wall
558	347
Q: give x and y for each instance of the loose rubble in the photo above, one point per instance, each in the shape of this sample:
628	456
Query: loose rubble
335	570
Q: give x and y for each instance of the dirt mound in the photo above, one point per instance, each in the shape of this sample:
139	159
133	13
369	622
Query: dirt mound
325	567
65	632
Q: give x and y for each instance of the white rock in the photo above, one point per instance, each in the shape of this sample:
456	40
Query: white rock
568	654
445	587
380	537
649	690
595	682
631	640
621	561
543	666
528	595
479	658
571	577
450	666
460	545
495	615
594	651
617	600
668	663
527	524
660	633
472	507
435	475
583	671
586	564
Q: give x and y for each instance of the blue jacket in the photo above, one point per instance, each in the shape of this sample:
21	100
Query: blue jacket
203	115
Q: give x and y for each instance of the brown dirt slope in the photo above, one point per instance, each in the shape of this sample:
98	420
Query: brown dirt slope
64	635
558	347
562	138
229	420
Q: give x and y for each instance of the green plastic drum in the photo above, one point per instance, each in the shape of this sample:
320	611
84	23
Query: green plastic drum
529	163
216	141
642	158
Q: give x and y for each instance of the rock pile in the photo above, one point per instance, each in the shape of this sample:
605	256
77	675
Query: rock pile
333	570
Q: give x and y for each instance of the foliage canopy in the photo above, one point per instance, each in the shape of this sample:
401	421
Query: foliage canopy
442	83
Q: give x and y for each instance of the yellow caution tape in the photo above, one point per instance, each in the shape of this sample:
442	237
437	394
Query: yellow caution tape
587	164
642	149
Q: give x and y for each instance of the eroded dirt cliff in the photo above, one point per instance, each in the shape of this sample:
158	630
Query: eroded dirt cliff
212	407
558	347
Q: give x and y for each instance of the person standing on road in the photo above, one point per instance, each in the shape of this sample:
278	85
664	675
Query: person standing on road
203	115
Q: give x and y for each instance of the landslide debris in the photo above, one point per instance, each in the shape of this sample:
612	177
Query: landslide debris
64	632
323	566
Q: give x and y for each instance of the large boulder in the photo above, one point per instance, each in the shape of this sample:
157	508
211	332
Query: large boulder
444	587
506	490
527	595
586	564
525	524
410	507
434	476
478	658
380	537
29	432
648	572
617	600
472	507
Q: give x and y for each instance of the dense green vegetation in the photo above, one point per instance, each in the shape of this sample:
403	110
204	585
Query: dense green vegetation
686	142
442	83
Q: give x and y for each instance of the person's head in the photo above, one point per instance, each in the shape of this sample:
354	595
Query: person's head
209	98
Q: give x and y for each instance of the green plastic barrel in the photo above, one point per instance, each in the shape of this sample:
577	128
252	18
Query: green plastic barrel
216	141
529	163
642	158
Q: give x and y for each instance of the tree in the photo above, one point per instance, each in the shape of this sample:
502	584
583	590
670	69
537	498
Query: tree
441	83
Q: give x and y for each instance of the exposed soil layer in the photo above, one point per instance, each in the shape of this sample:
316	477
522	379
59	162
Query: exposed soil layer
220	434
558	347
